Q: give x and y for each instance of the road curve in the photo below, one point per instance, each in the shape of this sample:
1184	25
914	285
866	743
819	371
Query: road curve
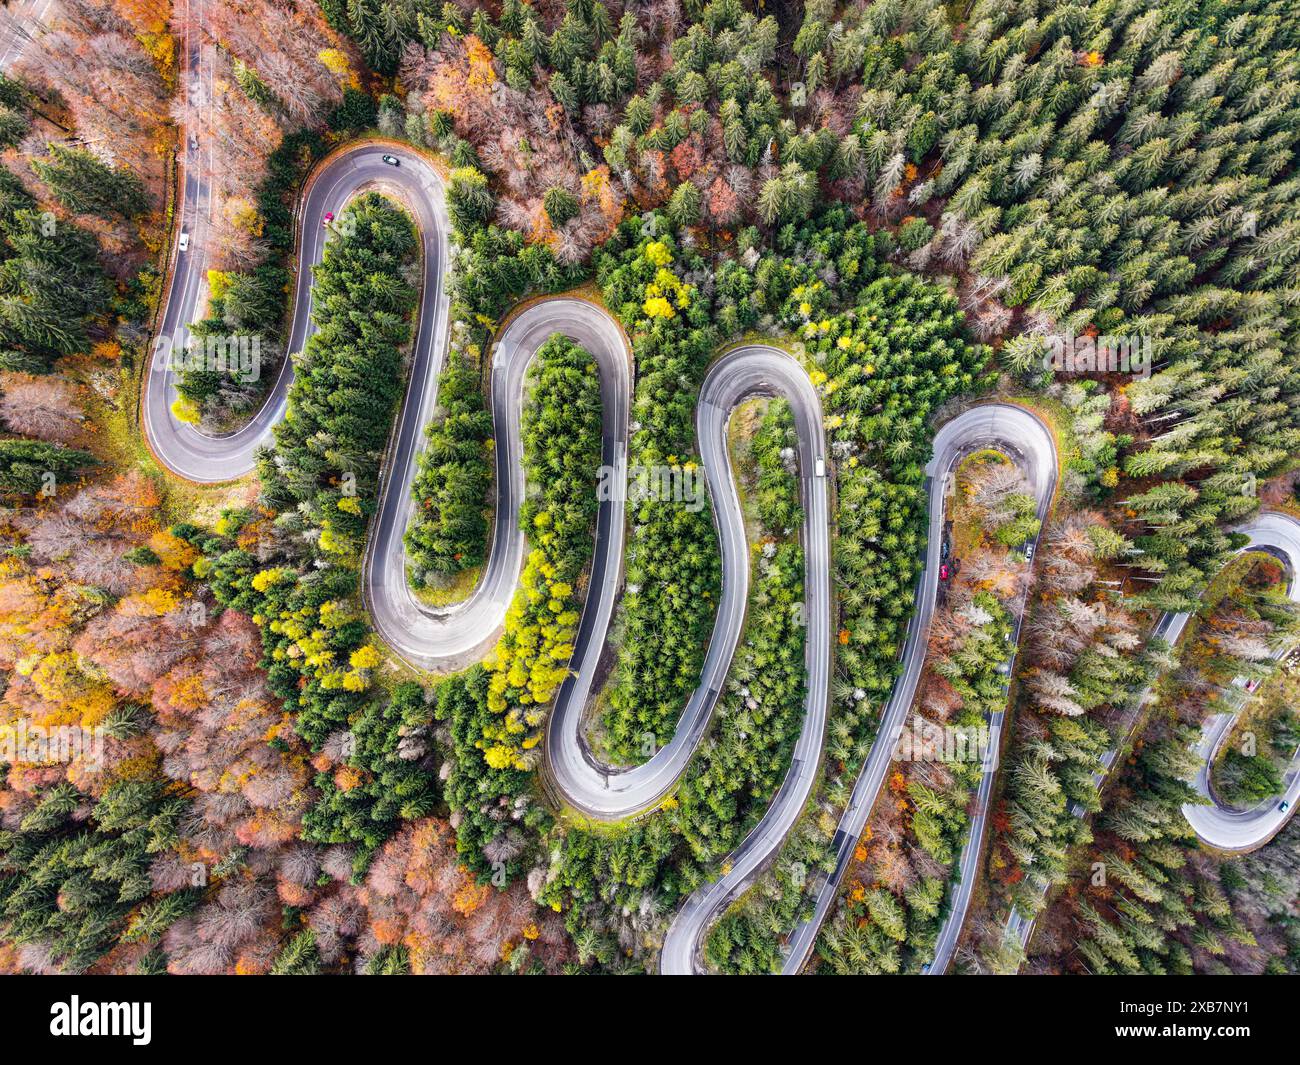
426	637
1026	441
440	638
433	638
1217	825
1023	438
207	458
1222	826
738	375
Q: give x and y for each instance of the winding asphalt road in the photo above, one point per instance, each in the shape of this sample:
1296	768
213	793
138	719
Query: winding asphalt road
1222	826
432	638
426	637
608	794
734	378
1026	441
447	638
1022	437
1217	825
204	457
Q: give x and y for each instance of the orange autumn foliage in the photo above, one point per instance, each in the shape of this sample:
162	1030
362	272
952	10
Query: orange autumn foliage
469	897
463	83
347	777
